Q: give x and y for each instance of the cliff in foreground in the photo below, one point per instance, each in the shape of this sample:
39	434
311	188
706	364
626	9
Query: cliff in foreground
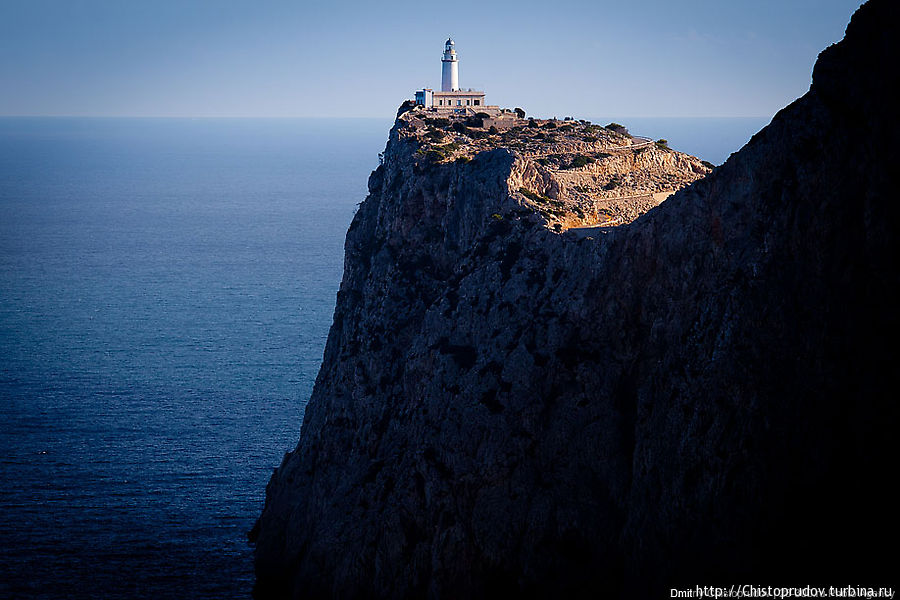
706	395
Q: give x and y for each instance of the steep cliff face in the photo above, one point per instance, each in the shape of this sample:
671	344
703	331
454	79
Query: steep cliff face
704	394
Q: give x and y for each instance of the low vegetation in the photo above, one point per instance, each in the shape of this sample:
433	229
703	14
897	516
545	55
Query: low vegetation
533	196
579	161
441	153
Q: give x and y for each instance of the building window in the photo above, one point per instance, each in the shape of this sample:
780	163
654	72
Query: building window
459	102
477	102
468	102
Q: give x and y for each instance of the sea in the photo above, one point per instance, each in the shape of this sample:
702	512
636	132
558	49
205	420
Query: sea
166	289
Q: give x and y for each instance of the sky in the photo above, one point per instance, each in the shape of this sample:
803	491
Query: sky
311	58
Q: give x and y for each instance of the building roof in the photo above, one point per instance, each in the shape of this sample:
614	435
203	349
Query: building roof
460	93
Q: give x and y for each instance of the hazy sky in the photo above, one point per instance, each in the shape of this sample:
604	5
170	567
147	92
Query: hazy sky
334	58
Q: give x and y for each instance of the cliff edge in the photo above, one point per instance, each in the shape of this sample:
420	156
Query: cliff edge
703	396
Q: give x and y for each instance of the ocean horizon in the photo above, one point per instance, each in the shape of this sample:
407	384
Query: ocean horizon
167	287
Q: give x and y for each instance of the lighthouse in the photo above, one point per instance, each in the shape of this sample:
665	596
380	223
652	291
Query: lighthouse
449	68
451	99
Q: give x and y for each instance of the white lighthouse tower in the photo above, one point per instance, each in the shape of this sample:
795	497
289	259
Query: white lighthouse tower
449	68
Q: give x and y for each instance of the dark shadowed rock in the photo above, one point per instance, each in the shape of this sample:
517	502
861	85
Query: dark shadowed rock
705	396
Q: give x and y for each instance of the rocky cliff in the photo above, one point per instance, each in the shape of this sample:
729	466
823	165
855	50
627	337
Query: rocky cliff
706	395
569	173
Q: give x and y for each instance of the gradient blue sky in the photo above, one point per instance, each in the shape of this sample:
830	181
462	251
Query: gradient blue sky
321	59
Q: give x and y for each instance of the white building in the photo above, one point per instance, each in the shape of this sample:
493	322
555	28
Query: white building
451	99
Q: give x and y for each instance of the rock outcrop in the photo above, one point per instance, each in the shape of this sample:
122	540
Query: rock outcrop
704	396
571	173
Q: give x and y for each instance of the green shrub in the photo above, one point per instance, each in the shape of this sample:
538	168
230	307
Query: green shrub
533	196
620	129
460	128
662	144
493	130
580	160
440	153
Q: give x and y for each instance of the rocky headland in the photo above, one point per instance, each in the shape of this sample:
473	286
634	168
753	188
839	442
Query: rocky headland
572	173
704	394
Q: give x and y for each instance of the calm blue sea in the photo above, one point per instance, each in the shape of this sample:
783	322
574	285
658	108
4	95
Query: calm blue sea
166	287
